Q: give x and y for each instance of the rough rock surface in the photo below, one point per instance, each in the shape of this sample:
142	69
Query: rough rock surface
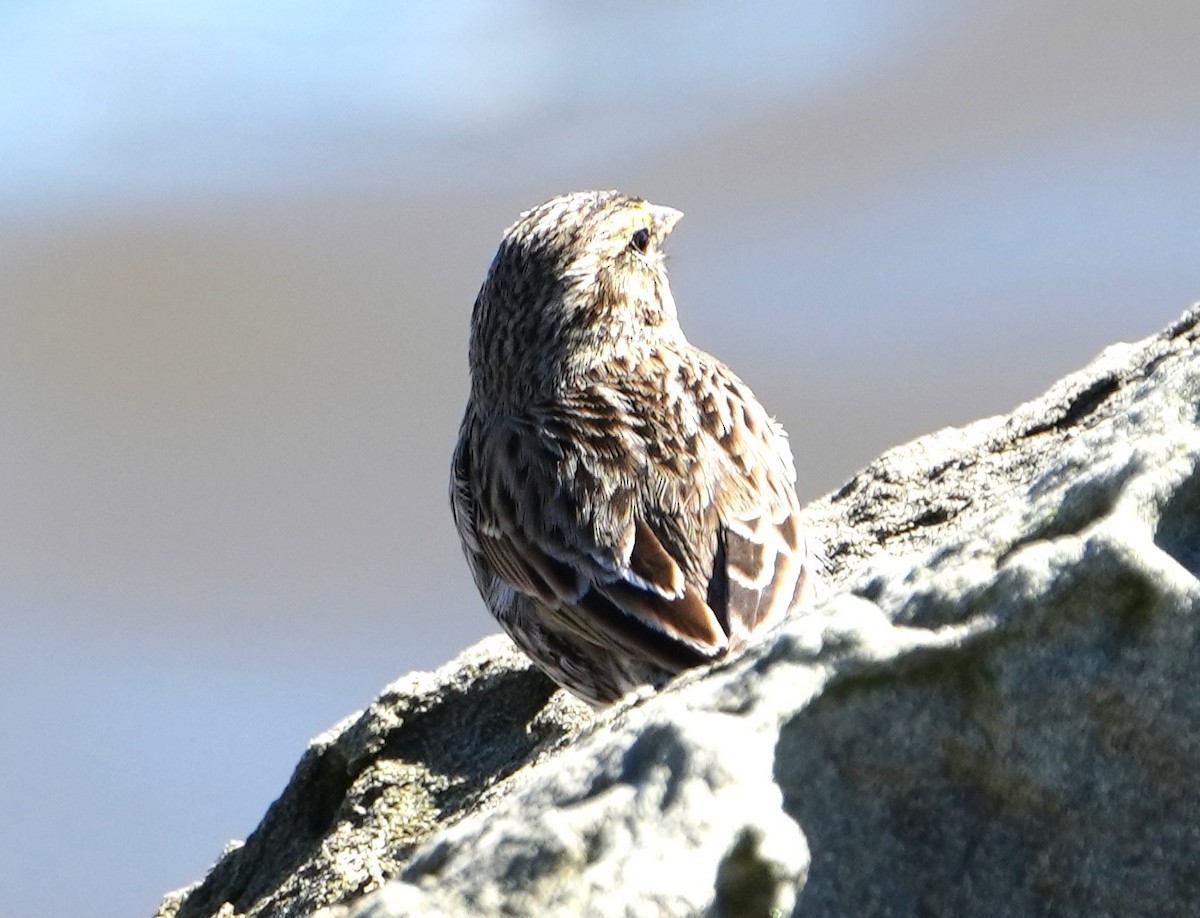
992	712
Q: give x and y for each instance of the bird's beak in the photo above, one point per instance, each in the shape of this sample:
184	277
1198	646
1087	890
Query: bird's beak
665	219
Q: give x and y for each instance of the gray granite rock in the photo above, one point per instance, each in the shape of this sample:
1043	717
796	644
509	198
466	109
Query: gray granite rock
992	712
431	747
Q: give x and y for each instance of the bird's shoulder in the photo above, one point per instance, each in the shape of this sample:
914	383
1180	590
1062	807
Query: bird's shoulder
703	426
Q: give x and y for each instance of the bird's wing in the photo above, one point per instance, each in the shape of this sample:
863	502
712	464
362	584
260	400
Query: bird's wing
765	563
760	565
554	511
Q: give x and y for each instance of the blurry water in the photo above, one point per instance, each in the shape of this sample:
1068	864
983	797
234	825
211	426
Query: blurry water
238	249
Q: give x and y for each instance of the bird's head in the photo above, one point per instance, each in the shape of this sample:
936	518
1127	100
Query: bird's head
575	282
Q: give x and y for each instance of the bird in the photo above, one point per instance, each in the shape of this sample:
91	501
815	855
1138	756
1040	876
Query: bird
626	505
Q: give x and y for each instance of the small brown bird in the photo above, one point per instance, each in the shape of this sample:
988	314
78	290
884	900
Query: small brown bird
627	507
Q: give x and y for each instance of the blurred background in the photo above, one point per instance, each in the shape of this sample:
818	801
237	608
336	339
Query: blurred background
239	245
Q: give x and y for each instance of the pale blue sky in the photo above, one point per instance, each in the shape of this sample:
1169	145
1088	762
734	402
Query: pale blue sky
134	100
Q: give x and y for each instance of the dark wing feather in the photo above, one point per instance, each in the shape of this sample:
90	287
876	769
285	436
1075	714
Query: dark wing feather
760	556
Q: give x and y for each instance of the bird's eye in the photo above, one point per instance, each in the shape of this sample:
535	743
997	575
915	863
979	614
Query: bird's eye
640	240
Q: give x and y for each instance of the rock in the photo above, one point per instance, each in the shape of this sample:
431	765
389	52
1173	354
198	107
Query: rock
367	792
991	712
